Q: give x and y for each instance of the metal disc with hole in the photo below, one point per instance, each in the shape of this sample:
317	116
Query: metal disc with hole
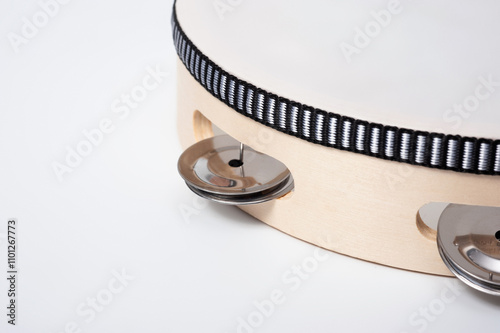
469	243
222	170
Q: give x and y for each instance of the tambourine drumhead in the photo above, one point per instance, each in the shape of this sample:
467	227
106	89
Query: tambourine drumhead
421	65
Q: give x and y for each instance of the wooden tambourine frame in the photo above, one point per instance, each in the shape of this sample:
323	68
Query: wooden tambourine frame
349	203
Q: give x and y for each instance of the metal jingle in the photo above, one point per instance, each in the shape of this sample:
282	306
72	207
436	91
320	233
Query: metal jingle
249	199
468	240
221	169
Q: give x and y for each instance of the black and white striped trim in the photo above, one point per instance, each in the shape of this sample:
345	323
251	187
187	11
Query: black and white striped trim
434	150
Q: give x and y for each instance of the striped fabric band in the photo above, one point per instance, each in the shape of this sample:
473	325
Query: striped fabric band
434	150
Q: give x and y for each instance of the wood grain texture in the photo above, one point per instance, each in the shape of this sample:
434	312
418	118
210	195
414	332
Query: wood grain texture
349	203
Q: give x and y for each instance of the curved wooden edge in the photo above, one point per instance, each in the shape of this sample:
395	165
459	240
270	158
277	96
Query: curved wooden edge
352	204
424	229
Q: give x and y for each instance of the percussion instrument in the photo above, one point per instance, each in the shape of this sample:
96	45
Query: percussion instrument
338	122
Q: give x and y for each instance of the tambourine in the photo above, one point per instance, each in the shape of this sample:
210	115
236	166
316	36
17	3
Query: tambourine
336	122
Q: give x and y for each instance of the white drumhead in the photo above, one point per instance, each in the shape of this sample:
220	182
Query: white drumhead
423	65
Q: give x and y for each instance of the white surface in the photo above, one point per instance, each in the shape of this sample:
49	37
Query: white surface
423	59
125	207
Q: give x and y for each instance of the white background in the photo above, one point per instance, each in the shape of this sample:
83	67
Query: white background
193	266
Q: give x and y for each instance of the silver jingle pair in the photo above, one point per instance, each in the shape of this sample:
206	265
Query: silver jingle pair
221	169
469	243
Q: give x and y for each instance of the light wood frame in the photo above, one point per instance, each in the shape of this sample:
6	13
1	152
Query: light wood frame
349	203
